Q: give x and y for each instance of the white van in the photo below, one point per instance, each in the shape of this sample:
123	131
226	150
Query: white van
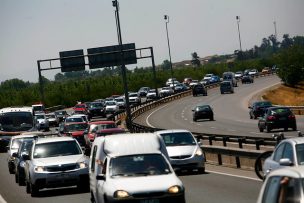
133	167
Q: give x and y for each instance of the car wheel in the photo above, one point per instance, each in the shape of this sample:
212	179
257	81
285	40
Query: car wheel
16	178
11	169
285	129
27	187
21	181
201	170
250	116
255	117
34	190
261	130
211	118
294	128
194	119
222	92
268	129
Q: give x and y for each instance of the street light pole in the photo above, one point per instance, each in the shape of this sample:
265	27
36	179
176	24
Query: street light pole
123	67
238	19
166	17
275	29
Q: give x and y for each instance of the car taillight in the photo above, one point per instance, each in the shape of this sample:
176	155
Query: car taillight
291	117
271	118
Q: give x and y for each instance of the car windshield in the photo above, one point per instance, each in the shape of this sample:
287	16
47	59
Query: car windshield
225	84
178	138
60	113
54	149
76	127
139	165
133	95
50	116
80	106
94	105
105	126
16	121
40	116
110	103
74	119
264	104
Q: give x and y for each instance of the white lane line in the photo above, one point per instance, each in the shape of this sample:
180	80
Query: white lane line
231	130
147	119
256	133
213	127
237	176
2	200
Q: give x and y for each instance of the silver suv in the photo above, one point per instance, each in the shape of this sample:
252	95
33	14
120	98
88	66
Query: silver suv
55	162
183	149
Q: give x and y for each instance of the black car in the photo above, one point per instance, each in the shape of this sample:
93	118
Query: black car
19	162
203	112
199	89
247	79
61	115
277	117
96	109
258	108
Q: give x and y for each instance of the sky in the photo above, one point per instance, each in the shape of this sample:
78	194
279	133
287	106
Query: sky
32	30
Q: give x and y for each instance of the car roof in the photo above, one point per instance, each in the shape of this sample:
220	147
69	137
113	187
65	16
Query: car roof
54	139
22	136
138	143
101	122
294	172
172	131
295	140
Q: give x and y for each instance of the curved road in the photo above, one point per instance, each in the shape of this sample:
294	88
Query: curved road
231	112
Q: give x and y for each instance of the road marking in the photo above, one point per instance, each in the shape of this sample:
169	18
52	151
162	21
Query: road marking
2	200
213	127
256	133
147	119
237	176
231	130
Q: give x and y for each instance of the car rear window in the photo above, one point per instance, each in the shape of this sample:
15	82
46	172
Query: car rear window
280	111
178	139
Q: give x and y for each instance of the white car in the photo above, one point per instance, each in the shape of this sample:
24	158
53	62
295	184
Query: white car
289	152
183	149
42	121
121	102
171	81
133	168
134	98
166	91
111	107
283	186
55	162
151	94
253	72
208	76
193	82
52	118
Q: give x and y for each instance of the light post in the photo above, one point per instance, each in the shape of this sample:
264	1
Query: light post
166	17
238	19
123	67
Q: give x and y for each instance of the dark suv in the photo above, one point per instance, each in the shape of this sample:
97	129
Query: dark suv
96	109
277	117
258	108
199	89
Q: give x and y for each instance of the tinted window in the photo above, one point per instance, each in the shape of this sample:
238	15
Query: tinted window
176	139
139	165
279	152
54	149
76	127
16	121
300	153
288	152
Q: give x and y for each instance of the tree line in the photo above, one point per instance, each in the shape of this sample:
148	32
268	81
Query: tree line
67	88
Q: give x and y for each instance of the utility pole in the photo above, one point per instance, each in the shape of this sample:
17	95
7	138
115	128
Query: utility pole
238	19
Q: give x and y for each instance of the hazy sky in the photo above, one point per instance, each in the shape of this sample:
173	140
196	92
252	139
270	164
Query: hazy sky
31	30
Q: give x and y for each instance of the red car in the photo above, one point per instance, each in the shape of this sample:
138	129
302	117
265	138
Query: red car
74	130
95	127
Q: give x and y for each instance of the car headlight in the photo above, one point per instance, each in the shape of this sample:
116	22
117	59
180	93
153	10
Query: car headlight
199	152
174	189
82	165
39	169
121	194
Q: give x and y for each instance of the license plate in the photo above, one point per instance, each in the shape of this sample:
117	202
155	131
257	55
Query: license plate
149	201
63	175
282	119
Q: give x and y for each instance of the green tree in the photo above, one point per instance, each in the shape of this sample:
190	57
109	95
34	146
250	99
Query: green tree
166	65
195	59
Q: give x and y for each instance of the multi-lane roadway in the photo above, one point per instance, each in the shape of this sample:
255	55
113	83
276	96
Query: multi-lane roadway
231	112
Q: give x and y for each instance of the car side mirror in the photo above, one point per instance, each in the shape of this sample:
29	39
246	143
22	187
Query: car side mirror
101	177
26	157
15	155
286	162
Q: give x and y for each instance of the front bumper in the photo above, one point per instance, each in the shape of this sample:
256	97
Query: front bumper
194	162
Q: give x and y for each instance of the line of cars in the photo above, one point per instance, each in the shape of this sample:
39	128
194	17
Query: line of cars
272	117
119	170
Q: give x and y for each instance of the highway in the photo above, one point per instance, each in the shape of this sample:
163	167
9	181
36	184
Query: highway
210	187
231	112
219	184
